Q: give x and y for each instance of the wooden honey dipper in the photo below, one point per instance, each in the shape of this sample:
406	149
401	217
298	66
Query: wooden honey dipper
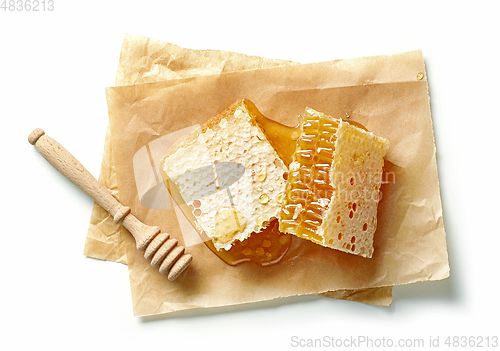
163	251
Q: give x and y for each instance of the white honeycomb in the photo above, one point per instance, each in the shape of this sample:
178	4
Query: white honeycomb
228	163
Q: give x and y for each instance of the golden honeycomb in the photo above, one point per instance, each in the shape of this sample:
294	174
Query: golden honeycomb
332	190
308	190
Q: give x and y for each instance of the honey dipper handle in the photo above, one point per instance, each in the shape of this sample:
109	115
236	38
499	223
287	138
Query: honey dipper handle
72	169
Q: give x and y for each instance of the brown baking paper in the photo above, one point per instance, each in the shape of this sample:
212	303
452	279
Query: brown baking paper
410	241
146	60
143	59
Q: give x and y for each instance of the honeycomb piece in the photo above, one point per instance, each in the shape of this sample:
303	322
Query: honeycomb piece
332	192
229	174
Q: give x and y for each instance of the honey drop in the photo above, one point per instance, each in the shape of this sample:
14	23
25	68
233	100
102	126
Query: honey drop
261	220
262	175
264	199
280	198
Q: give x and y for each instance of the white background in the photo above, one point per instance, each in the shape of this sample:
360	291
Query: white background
55	62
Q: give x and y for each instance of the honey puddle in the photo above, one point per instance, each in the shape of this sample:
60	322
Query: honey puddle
265	248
